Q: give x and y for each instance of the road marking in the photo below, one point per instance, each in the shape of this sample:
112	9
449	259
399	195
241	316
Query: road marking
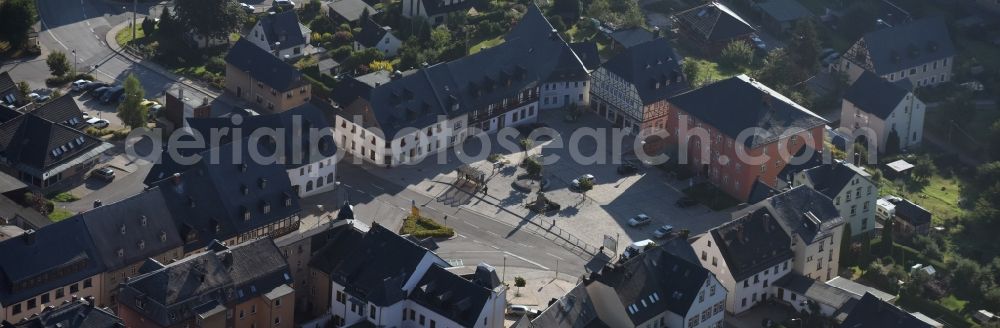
550	254
526	260
494	234
494	247
460	235
473	225
88	24
47	29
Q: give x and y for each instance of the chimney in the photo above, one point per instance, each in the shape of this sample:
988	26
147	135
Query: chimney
29	236
656	32
227	258
180	94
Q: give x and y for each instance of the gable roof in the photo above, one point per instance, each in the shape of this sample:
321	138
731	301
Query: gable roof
263	66
371	33
588	54
648	65
817	291
61	110
803	212
139	227
904	46
912	213
573	310
752	243
784	10
434	7
870	312
875	95
760	191
451	296
831	179
714	22
739	103
8	90
350	9
283	27
632	36
76	314
176	292
59	250
34	143
654	282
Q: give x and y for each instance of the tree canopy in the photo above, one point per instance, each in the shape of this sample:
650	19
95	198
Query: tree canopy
58	64
131	111
209	18
16	19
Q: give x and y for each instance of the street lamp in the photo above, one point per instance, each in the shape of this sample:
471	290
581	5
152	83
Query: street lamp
74	61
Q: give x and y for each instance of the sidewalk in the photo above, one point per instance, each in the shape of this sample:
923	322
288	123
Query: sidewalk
117	48
540	287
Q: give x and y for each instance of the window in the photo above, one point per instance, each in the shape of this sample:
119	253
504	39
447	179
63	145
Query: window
785	266
277	320
693	321
701	296
74	288
32	304
45	298
711	290
253	309
413	315
746	283
421	319
341	298
242	314
433	324
371	311
17	308
60	293
744	302
715	261
765	283
704	256
277	302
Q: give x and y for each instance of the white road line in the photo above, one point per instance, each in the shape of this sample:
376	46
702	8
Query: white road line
494	234
473	225
460	235
495	247
550	254
88	24
47	29
526	260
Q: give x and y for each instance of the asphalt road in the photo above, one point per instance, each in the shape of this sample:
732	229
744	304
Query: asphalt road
480	238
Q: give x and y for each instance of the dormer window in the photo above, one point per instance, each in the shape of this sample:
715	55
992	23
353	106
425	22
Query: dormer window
246	214
122	229
244	190
121	252
263	183
163	236
143	220
265	207
288	200
142	244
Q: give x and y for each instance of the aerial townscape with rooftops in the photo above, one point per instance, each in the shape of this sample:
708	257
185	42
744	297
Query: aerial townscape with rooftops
499	163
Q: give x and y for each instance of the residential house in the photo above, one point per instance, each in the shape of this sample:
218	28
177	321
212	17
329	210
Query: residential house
909	218
47	267
871	312
889	110
243	286
349	11
713	124
419	113
298	247
798	292
258	77
780	16
46	146
78	313
573	310
180	104
712	26
10	96
281	34
309	154
128	232
630	37
920	51
435	12
859	290
852	190
229	199
631	89
657	289
376	36
796	231
379	278
588	54
15	214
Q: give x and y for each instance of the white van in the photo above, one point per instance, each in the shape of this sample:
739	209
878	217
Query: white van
637	248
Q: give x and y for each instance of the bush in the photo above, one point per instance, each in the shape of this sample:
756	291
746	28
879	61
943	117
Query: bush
216	64
533	166
121	134
737	54
65	197
422	227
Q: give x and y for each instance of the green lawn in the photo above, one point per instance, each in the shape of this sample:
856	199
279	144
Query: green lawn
65	197
422	227
485	44
940	196
59	214
125	35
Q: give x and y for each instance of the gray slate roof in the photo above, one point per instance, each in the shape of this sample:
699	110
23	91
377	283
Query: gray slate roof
875	95
908	45
752	243
573	310
784	10
830	179
139	226
350	9
283	27
671	281
78	314
871	312
817	291
647	64
30	139
633	36
371	33
450	296
714	22
51	248
9	88
803	211
912	213
176	292
587	52
264	66
740	102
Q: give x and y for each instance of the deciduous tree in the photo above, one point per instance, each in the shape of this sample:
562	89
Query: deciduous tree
16	19
131	111
58	64
212	19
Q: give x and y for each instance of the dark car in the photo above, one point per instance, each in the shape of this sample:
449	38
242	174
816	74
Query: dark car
94	85
283	4
105	173
628	168
99	92
112	94
686	202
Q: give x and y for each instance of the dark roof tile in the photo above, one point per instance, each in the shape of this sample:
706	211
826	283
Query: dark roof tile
264	66
874	95
714	22
908	45
283	27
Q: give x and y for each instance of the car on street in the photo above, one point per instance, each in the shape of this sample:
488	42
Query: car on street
99	123
637	248
106	174
35	97
94	85
112	94
78	85
586	177
283	4
686	201
628	168
247	7
519	310
638	220
757	42
663	231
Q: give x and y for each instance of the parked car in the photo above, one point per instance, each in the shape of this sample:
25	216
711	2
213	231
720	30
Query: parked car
99	91
283	4
93	85
686	202
105	173
38	98
638	220
586	177
99	123
663	231
78	85
757	42
628	168
637	248
519	310
112	94
247	7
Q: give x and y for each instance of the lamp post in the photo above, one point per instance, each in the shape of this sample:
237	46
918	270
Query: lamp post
135	9
74	61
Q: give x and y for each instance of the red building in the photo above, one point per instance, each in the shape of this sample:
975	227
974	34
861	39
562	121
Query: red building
738	130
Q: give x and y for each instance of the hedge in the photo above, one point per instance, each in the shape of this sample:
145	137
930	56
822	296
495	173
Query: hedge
422	227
